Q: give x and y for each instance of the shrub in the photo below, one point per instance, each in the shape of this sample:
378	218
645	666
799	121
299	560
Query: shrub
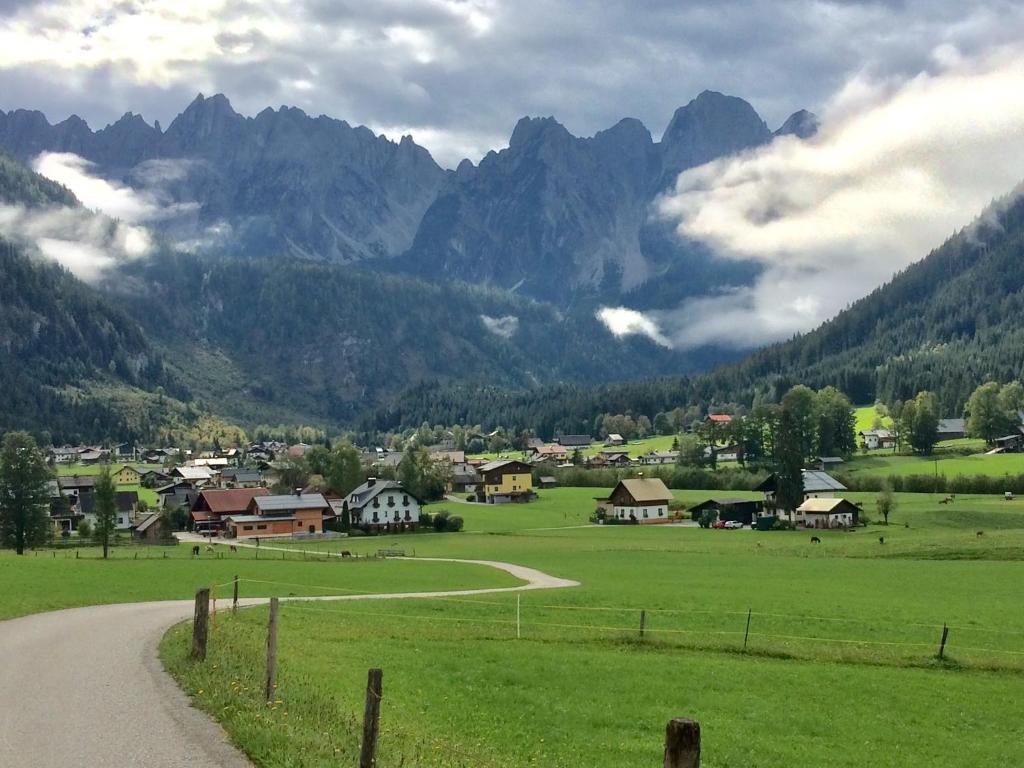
426	519
783	525
455	524
84	529
441	521
470	497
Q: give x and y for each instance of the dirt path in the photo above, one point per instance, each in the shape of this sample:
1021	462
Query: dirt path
84	686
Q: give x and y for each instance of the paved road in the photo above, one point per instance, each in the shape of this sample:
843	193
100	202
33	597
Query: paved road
84	687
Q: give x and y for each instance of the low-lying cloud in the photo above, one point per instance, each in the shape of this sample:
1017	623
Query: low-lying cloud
894	170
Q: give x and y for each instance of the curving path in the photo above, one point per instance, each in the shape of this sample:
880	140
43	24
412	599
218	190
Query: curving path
84	686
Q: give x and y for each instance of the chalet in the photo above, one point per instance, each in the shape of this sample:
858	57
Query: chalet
234	477
614	439
828	513
728	452
285	515
380	504
177	495
817	485
640	500
745	511
549	453
610	459
951	429
505	481
125	503
127	475
212	506
874	439
212	464
65	454
149	477
92	456
718	419
659	458
824	463
574	441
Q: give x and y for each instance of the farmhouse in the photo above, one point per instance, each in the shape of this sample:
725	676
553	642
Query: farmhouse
176	495
817	485
506	480
465	479
232	477
382	504
549	452
125	502
728	452
640	500
610	459
197	475
284	515
873	439
659	457
211	507
828	513
614	439
718	419
75	484
127	475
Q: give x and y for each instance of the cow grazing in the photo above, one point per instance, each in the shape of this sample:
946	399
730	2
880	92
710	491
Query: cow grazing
195	551
881	539
234	548
815	540
979	534
346	553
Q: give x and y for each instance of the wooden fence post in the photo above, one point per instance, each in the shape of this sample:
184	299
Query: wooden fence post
942	642
271	682
746	632
199	624
643	622
682	743
371	719
234	599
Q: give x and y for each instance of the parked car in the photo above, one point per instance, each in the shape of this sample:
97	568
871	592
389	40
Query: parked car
733	524
718	524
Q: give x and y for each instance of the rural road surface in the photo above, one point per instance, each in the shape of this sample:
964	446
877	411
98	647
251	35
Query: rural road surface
84	686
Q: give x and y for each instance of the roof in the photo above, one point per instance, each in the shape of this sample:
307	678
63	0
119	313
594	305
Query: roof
124	501
876	432
816	480
547	450
290	501
366	492
147	521
952	425
455	457
830	459
76	481
193	473
491	466
241	475
548	479
822	506
615	436
719	418
223	502
257	518
574	440
728	502
647	489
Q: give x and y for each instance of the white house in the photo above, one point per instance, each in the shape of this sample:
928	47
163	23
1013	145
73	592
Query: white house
379	503
827	513
874	439
640	500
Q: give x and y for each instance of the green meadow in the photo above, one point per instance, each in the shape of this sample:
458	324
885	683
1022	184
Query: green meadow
838	667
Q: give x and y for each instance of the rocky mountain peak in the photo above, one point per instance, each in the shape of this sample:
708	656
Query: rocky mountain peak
802	124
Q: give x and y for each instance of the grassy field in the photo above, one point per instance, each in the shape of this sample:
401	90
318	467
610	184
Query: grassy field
50	580
147	495
884	464
839	668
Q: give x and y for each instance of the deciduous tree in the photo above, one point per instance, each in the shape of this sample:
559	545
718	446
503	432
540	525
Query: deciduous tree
24	493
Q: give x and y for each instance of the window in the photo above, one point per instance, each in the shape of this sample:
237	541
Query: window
396	516
376	503
405	500
261	527
408	518
375	518
391	501
246	527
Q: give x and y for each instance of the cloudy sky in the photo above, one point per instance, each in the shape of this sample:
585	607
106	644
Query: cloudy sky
456	74
921	101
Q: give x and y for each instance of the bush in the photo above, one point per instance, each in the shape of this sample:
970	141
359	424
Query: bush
783	525
470	497
426	519
84	529
455	524
440	521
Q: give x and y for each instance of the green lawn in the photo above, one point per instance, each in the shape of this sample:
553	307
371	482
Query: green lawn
865	415
884	464
840	667
53	579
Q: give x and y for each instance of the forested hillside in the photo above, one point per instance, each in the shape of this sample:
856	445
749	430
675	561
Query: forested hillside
945	324
289	339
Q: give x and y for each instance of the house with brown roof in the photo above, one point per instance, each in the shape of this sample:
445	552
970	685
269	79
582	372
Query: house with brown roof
288	514
211	507
829	513
642	500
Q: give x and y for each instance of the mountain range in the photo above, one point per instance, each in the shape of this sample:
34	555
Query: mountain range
553	216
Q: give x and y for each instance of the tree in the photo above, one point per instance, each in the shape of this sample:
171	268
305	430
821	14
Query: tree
920	419
24	493
346	516
344	470
105	507
836	423
985	416
789	493
84	529
885	503
800	404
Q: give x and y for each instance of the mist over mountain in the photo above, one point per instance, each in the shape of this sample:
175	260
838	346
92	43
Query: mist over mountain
554	216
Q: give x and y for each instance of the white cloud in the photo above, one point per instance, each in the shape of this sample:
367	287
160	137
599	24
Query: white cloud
85	243
622	321
117	201
893	172
505	326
